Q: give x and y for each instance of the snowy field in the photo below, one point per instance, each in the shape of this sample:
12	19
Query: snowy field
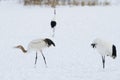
73	58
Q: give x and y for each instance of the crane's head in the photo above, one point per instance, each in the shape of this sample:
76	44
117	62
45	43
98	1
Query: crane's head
21	47
96	43
49	42
93	45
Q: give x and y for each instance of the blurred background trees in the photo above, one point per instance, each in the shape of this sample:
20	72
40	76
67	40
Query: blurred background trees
54	3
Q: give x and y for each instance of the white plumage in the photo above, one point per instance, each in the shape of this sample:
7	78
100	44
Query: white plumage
37	45
104	48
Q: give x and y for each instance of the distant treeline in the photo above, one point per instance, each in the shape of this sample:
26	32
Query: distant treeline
54	3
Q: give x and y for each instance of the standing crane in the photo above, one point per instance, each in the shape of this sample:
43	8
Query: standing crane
53	21
104	49
37	45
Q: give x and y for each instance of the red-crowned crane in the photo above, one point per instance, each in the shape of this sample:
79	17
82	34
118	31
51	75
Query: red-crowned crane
104	48
37	45
53	21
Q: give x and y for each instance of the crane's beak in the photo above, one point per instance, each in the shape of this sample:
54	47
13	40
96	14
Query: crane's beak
93	45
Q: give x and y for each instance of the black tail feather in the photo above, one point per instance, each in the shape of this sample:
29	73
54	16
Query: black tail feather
114	52
49	42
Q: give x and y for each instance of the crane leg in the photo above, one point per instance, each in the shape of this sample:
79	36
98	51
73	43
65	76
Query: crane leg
103	61
53	32
36	58
44	58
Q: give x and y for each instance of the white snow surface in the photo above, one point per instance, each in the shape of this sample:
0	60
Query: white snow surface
73	58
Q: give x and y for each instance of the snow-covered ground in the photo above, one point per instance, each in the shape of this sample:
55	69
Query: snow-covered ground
73	58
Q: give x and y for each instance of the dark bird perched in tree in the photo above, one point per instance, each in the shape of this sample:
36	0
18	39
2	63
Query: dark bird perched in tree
105	49
37	45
